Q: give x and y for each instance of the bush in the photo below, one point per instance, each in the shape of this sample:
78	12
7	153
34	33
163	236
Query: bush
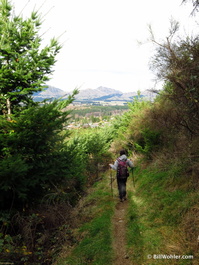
148	141
32	154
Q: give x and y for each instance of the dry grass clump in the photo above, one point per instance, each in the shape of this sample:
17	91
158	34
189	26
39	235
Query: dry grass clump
44	230
190	225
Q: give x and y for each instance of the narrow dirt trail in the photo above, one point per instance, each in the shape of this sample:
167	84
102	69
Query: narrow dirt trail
119	230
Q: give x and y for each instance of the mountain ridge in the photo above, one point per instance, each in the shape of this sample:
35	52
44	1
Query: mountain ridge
91	95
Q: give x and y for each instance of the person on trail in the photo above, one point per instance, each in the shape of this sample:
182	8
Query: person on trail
121	166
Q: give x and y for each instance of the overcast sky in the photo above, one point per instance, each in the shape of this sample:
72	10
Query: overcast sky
100	39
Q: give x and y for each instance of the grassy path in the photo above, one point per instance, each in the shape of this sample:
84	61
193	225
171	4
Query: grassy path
119	234
109	232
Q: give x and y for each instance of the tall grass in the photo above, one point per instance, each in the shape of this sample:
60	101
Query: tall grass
94	237
156	219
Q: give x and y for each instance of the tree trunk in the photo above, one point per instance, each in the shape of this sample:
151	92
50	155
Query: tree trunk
8	105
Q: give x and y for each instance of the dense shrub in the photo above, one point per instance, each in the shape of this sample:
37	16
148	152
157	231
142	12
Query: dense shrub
32	154
43	172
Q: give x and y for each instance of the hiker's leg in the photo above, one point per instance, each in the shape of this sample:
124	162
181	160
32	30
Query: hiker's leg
123	188
120	188
124	194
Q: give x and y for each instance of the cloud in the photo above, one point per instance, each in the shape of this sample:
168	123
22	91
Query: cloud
100	39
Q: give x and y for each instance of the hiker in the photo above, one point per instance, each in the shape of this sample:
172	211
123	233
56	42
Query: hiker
120	166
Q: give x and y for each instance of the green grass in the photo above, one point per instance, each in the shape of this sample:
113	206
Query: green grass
95	248
142	238
159	221
156	214
134	232
95	243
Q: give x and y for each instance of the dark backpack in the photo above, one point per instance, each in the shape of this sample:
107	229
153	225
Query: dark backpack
122	170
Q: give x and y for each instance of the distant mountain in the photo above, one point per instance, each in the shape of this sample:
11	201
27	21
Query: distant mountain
48	93
97	94
92	95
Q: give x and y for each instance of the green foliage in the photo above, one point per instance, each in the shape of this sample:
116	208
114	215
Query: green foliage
103	110
159	215
95	143
163	207
148	141
40	162
24	65
176	62
134	232
50	167
168	193
95	246
130	131
32	153
91	151
138	104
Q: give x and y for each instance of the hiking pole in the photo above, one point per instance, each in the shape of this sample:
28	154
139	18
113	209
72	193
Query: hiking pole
111	182
133	177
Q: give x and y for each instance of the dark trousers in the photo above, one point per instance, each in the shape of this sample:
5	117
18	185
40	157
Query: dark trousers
121	183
